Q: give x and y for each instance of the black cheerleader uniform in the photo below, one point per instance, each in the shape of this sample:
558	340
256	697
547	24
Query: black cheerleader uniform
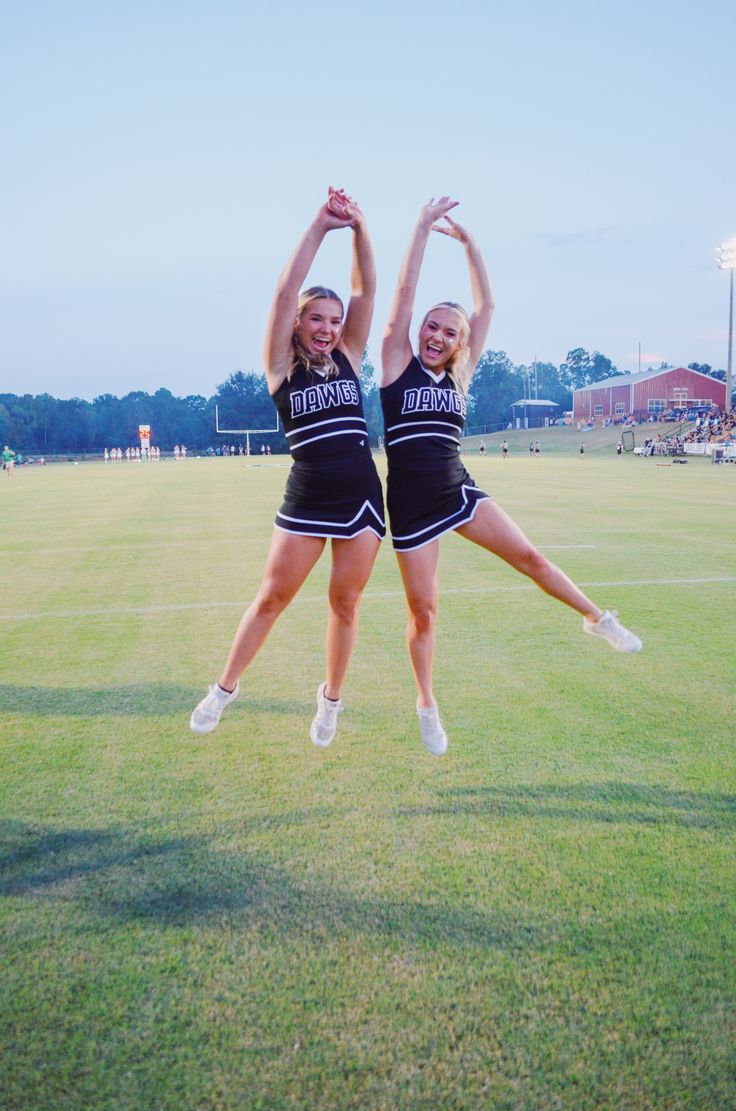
333	489
429	491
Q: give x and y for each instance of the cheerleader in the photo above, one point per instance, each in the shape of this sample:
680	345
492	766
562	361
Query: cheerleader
333	491
429	492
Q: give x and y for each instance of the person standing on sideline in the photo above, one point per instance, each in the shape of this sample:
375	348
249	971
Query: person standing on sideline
333	491
429	491
505	450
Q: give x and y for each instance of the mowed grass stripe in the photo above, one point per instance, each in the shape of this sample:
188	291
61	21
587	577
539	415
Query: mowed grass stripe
367	596
544	918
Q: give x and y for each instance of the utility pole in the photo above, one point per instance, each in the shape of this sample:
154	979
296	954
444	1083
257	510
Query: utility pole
726	260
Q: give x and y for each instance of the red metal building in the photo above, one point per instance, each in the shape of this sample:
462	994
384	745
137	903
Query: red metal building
644	395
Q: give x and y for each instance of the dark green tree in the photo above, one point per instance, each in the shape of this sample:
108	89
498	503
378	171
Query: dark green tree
580	368
6	425
549	385
601	368
72	429
106	414
575	370
243	401
196	426
371	399
494	388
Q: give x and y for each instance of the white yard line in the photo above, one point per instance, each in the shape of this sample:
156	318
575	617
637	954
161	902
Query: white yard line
154	545
174	607
104	548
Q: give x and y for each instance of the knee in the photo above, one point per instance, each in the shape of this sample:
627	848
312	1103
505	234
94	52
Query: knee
272	599
344	605
422	616
533	563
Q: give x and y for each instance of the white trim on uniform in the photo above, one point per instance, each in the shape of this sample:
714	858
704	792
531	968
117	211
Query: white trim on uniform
328	436
322	423
437	524
331	535
415	423
424	436
436	378
333	524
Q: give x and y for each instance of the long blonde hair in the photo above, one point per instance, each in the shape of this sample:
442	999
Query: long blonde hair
458	369
324	363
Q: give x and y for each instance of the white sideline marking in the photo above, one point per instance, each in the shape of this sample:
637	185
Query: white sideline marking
151	545
174	607
155	545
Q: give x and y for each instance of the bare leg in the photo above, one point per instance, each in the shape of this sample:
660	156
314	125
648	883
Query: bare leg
290	559
494	530
352	563
419	573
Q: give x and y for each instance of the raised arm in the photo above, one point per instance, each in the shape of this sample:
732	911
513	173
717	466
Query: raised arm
480	288
277	346
362	285
396	350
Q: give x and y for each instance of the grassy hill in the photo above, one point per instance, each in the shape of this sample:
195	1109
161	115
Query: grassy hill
565	440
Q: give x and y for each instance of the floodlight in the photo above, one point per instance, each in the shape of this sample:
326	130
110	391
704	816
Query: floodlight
726	260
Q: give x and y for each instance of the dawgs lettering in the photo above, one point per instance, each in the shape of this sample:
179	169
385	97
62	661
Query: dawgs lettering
325	395
428	399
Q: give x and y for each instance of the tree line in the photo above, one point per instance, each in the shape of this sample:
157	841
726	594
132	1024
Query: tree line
42	424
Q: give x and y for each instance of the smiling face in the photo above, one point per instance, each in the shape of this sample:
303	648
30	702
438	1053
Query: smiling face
319	325
441	334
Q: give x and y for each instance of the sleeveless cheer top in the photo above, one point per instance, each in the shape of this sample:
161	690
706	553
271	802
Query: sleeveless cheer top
333	489
429	491
323	418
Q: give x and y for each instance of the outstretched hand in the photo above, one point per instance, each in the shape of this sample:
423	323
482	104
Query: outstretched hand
454	230
435	210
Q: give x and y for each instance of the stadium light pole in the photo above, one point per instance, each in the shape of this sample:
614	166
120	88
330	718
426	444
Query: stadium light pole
726	259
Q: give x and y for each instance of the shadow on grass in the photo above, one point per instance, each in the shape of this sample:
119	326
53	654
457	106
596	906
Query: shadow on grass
119	874
135	700
32	859
592	802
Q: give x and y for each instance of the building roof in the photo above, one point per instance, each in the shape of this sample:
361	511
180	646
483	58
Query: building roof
534	401
634	379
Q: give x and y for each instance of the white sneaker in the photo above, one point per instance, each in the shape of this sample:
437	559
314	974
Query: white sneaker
206	716
434	737
610	628
323	728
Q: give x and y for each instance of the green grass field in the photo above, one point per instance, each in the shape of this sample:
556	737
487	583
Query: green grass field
544	918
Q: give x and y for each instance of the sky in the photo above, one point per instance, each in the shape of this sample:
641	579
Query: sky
162	159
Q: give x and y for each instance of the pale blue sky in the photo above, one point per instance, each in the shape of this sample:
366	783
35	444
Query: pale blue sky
160	161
